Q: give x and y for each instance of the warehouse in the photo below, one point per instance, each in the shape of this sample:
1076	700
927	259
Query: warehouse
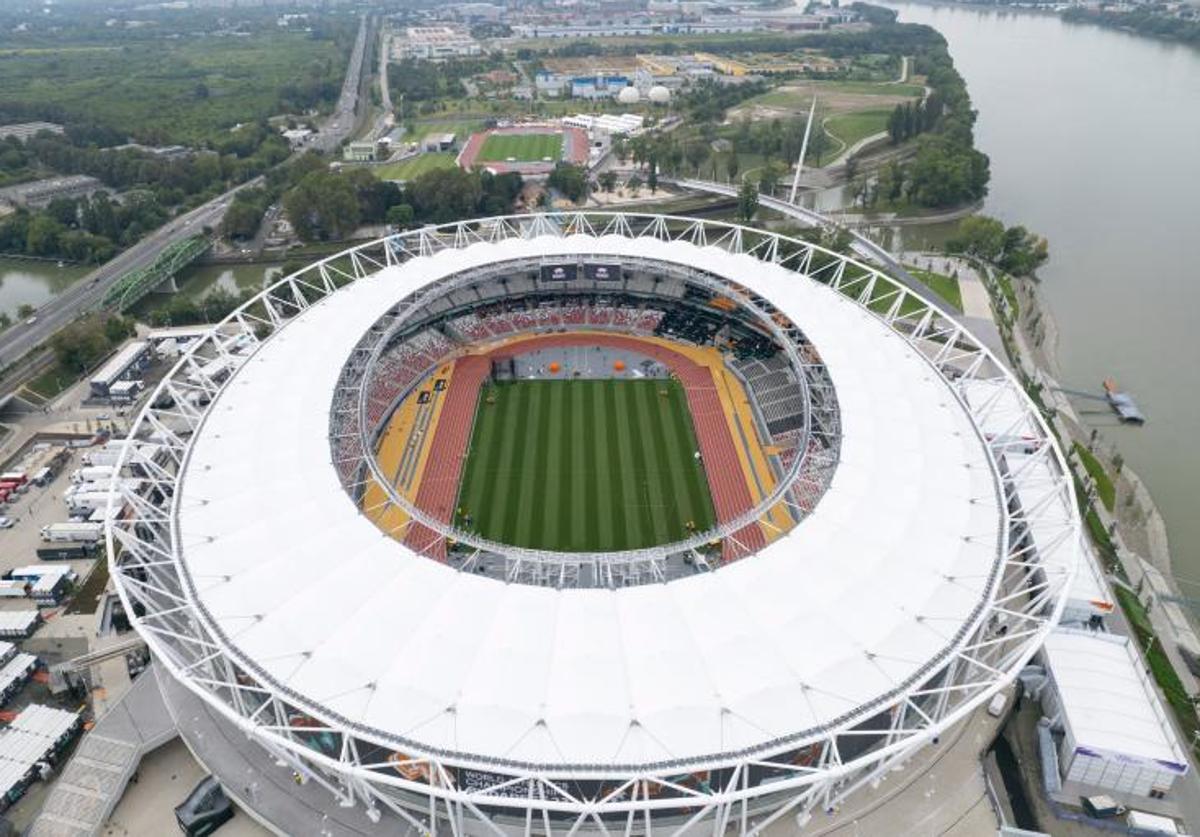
30	746
15	670
1115	735
124	365
19	624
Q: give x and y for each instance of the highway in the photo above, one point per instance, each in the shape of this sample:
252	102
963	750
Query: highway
85	295
344	119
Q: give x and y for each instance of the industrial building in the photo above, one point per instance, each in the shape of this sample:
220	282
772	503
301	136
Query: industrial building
25	130
606	123
19	624
433	43
16	667
1113	733
30	747
745	677
125	365
40	193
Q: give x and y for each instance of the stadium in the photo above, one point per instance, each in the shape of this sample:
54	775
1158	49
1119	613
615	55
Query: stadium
591	522
531	150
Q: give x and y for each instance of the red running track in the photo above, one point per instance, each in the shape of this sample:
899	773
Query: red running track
443	467
439	484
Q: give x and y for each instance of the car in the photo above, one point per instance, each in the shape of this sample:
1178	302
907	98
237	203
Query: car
6	523
998	703
31	321
205	810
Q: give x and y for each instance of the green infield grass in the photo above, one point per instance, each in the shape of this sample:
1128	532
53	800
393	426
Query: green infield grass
415	166
583	465
525	148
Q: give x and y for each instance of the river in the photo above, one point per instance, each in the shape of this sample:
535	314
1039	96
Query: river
1092	138
25	282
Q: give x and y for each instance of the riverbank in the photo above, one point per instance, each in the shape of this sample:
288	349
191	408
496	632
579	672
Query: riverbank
1140	522
1116	297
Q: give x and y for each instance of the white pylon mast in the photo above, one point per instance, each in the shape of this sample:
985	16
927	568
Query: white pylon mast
803	149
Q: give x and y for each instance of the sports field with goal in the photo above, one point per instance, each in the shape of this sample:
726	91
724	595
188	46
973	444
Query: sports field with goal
583	465
497	148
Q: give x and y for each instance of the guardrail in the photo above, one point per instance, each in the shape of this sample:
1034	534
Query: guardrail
131	287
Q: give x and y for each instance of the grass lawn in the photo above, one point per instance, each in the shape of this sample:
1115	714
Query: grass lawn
413	166
462	128
851	127
870	88
944	286
584	465
523	147
1105	490
799	99
54	381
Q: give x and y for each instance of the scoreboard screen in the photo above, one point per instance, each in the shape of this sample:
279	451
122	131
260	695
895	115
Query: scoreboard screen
559	272
602	272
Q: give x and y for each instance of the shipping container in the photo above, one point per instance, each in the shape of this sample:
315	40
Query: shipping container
86	531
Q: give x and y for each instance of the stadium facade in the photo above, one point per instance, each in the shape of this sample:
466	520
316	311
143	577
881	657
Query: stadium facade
725	681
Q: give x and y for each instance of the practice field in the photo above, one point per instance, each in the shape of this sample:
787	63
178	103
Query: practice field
497	148
414	166
584	465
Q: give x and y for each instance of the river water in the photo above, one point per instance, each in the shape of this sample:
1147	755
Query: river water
1093	139
25	282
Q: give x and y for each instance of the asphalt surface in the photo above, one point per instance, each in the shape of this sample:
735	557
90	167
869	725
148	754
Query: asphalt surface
343	120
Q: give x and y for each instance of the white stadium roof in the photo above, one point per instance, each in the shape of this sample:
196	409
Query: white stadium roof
859	598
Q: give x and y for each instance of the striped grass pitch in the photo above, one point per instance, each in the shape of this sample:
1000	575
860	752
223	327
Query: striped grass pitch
521	147
584	465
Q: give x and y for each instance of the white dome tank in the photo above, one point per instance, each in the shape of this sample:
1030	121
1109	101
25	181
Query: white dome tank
659	94
629	96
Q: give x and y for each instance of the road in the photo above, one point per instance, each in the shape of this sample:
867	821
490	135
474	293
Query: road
345	117
85	295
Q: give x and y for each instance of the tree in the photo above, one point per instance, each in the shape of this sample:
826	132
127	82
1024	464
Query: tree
768	177
818	140
732	165
400	215
979	236
652	179
634	183
1015	249
608	180
570	180
82	343
851	166
696	153
747	200
42	237
323	206
25	310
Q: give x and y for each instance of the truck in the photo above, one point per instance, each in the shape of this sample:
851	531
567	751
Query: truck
84	503
93	473
1151	823
66	551
17	477
85	531
102	487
